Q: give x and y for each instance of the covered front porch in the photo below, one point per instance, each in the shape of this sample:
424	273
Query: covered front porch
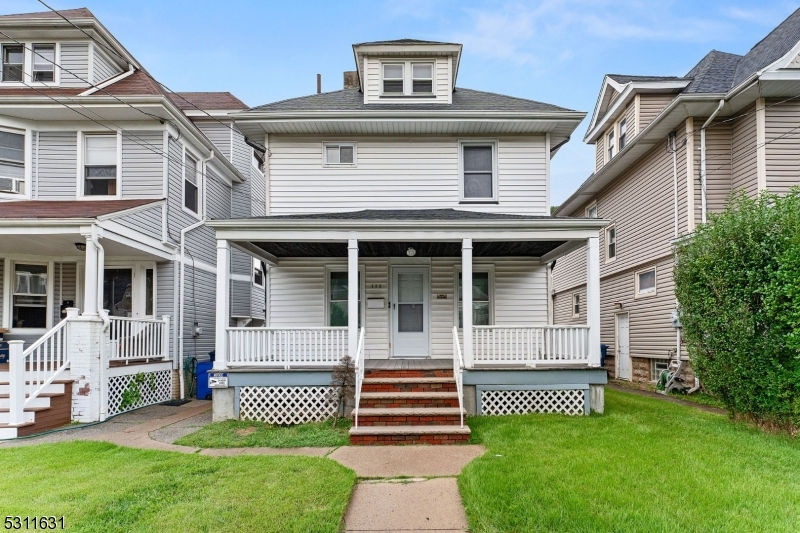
391	285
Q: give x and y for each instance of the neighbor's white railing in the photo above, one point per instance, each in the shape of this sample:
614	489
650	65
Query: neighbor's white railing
32	370
286	347
458	373
359	359
531	345
137	339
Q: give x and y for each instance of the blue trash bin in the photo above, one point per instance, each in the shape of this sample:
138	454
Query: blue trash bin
203	368
603	354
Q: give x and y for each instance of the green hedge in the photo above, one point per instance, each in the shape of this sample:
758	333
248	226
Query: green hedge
738	283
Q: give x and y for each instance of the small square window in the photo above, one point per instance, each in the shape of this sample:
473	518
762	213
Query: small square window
611	243
339	153
576	305
646	282
591	211
44	58
393	78
659	366
100	165
422	78
13	59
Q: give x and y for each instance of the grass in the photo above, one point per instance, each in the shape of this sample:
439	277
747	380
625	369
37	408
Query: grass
102	487
646	465
701	398
243	433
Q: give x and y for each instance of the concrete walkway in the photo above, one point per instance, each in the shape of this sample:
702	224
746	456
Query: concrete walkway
400	488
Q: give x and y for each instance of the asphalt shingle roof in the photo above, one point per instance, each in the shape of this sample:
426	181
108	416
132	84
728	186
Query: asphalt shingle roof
625	78
714	73
80	12
405	214
771	48
206	101
463	100
44	209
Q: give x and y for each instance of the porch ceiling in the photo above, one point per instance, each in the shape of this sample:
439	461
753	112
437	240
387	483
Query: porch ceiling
62	245
399	249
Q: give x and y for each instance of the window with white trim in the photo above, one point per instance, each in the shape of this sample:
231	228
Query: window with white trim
100	165
591	211
149	292
646	282
259	273
393	78
481	300
576	305
623	133
335	154
44	58
338	294
478	172
659	366
611	243
30	296
422	78
191	187
13	62
12	162
610	144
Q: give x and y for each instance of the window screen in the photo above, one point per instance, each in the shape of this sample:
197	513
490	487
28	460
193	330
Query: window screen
12	63
340	154
44	58
422	78
478	168
100	165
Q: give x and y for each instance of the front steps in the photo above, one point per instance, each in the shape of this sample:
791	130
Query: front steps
407	406
51	409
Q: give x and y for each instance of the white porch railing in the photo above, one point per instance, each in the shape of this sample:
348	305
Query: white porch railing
531	345
286	347
458	373
359	359
136	339
32	370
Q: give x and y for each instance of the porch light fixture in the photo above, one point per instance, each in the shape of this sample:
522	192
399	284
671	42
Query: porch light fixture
81	246
411	252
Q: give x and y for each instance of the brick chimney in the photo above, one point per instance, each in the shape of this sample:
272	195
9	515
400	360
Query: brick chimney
351	79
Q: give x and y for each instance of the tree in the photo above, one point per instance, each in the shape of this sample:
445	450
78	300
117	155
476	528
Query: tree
343	385
738	283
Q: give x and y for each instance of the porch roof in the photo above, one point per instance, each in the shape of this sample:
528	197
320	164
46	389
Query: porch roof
67	209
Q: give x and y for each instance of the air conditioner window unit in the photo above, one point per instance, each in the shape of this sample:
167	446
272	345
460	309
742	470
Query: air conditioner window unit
12	185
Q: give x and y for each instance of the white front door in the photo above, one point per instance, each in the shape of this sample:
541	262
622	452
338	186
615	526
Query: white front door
623	347
410	294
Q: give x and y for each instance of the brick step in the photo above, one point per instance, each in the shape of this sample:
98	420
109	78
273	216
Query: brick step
384	400
409	373
408	385
400	435
410	416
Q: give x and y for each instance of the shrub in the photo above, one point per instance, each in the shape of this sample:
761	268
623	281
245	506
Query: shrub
738	283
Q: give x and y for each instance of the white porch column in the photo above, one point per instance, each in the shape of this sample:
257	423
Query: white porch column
223	305
593	298
91	276
466	290
352	297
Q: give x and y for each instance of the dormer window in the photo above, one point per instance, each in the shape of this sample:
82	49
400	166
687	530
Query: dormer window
44	58
422	78
13	59
393	78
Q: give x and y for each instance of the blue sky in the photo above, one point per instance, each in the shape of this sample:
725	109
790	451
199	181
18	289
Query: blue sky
555	51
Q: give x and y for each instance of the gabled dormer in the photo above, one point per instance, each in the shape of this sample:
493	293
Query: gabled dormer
407	71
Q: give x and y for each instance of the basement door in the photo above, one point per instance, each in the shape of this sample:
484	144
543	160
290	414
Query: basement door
623	346
410	312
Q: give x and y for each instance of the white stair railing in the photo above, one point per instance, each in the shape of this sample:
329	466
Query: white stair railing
34	369
138	339
359	359
458	373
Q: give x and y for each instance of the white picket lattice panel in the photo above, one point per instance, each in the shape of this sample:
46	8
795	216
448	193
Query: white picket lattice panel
514	402
156	391
285	405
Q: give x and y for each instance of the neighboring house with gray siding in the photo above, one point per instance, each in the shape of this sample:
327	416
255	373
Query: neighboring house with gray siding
106	181
732	119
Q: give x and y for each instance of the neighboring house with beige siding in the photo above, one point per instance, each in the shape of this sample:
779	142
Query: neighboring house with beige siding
669	151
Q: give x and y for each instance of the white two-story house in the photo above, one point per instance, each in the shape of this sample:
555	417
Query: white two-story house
106	179
391	206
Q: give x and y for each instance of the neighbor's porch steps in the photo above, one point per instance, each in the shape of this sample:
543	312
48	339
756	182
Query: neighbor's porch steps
409	406
51	409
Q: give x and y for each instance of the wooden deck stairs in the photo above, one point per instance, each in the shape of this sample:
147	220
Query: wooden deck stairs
409	406
51	409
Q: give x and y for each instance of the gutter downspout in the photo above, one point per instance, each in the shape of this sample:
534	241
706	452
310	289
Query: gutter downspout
703	208
101	262
179	322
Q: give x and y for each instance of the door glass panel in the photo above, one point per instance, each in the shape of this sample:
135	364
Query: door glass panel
118	292
409	318
148	292
410	288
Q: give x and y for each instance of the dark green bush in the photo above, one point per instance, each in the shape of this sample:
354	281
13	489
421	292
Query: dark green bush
738	283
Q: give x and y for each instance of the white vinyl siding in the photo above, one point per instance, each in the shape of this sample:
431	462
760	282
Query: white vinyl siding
64	288
142	165
744	174
783	151
147	221
401	173
103	67
75	64
57	166
373	80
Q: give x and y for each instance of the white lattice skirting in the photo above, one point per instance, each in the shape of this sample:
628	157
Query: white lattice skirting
285	405
513	402
156	388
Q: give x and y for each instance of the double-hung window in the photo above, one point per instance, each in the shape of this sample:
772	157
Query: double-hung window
30	296
339	153
393	76
259	273
12	162
611	243
44	58
576	305
422	78
623	133
481	300
479	172
13	61
610	143
191	196
338	292
100	165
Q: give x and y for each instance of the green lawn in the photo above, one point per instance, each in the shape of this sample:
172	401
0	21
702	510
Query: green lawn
646	465
243	433
102	487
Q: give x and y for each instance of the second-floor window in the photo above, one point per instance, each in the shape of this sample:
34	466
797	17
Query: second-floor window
623	133
13	59
422	78
393	78
339	153
100	165
191	190
591	211
611	243
576	305
12	162
610	143
479	180
44	58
